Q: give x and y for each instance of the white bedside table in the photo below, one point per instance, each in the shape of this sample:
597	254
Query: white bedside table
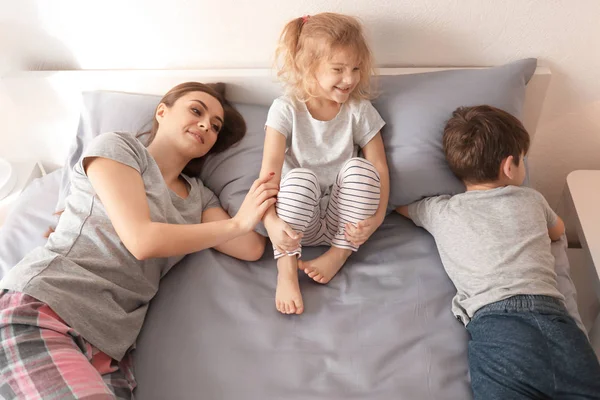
583	194
26	171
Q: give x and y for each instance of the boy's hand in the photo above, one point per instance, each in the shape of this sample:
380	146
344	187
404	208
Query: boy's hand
363	230
283	237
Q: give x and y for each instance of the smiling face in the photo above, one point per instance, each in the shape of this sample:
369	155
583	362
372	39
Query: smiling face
192	123
338	76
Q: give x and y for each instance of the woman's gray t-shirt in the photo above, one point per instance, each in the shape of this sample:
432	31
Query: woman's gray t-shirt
85	273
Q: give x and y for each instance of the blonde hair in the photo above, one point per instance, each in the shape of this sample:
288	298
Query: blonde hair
306	41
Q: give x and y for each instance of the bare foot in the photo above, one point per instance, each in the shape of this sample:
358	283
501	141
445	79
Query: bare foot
323	268
288	299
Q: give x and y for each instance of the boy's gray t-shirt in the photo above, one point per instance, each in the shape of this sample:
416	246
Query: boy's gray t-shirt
85	273
494	244
323	146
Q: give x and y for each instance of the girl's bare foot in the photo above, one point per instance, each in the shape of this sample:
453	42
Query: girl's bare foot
323	268
288	299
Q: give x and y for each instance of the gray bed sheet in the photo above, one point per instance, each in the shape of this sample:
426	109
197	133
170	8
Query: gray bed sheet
381	329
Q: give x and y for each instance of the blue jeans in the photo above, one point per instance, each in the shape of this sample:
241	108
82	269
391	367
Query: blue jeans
528	347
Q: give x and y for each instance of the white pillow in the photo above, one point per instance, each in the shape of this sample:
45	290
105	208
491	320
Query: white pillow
28	221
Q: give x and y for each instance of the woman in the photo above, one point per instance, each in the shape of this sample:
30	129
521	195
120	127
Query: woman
71	311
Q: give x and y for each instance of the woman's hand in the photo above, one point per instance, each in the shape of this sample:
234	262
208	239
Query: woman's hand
283	237
260	197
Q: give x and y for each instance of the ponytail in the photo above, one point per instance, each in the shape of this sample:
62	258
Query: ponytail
288	48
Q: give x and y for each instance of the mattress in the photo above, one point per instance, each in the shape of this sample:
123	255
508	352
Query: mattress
381	329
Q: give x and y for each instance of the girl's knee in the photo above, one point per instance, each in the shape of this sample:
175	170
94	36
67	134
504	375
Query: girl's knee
359	162
359	170
300	173
301	181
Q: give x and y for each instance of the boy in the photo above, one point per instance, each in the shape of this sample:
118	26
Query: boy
494	242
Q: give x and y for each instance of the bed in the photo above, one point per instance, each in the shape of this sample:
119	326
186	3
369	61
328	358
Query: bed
381	329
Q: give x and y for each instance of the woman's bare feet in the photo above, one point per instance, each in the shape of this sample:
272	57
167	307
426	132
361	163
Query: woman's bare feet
323	268
288	299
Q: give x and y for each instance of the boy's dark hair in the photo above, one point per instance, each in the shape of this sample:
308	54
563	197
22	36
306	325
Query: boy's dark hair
477	139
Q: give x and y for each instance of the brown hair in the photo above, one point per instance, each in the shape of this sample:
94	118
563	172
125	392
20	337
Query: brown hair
232	131
306	41
477	139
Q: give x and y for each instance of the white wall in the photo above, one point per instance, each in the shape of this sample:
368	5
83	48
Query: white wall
115	34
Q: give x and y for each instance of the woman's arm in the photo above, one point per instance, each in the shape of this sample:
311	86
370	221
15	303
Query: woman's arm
121	190
375	153
249	246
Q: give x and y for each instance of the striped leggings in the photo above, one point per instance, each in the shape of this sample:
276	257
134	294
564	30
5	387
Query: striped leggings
354	197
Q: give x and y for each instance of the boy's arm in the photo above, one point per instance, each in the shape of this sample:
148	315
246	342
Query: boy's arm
557	230
425	212
403	210
556	226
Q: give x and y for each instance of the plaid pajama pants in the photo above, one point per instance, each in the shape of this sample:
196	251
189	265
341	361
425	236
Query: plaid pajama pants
41	357
354	197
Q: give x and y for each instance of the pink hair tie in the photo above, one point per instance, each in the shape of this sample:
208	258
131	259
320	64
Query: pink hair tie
305	18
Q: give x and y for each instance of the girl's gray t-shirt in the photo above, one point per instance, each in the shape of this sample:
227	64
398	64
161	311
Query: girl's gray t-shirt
85	273
323	146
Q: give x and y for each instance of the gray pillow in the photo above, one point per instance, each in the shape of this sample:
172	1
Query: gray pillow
229	174
416	108
106	112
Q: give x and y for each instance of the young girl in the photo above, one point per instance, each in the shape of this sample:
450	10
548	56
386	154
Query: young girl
71	311
328	196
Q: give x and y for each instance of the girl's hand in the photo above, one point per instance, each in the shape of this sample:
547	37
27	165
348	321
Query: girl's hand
260	197
283	237
363	230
